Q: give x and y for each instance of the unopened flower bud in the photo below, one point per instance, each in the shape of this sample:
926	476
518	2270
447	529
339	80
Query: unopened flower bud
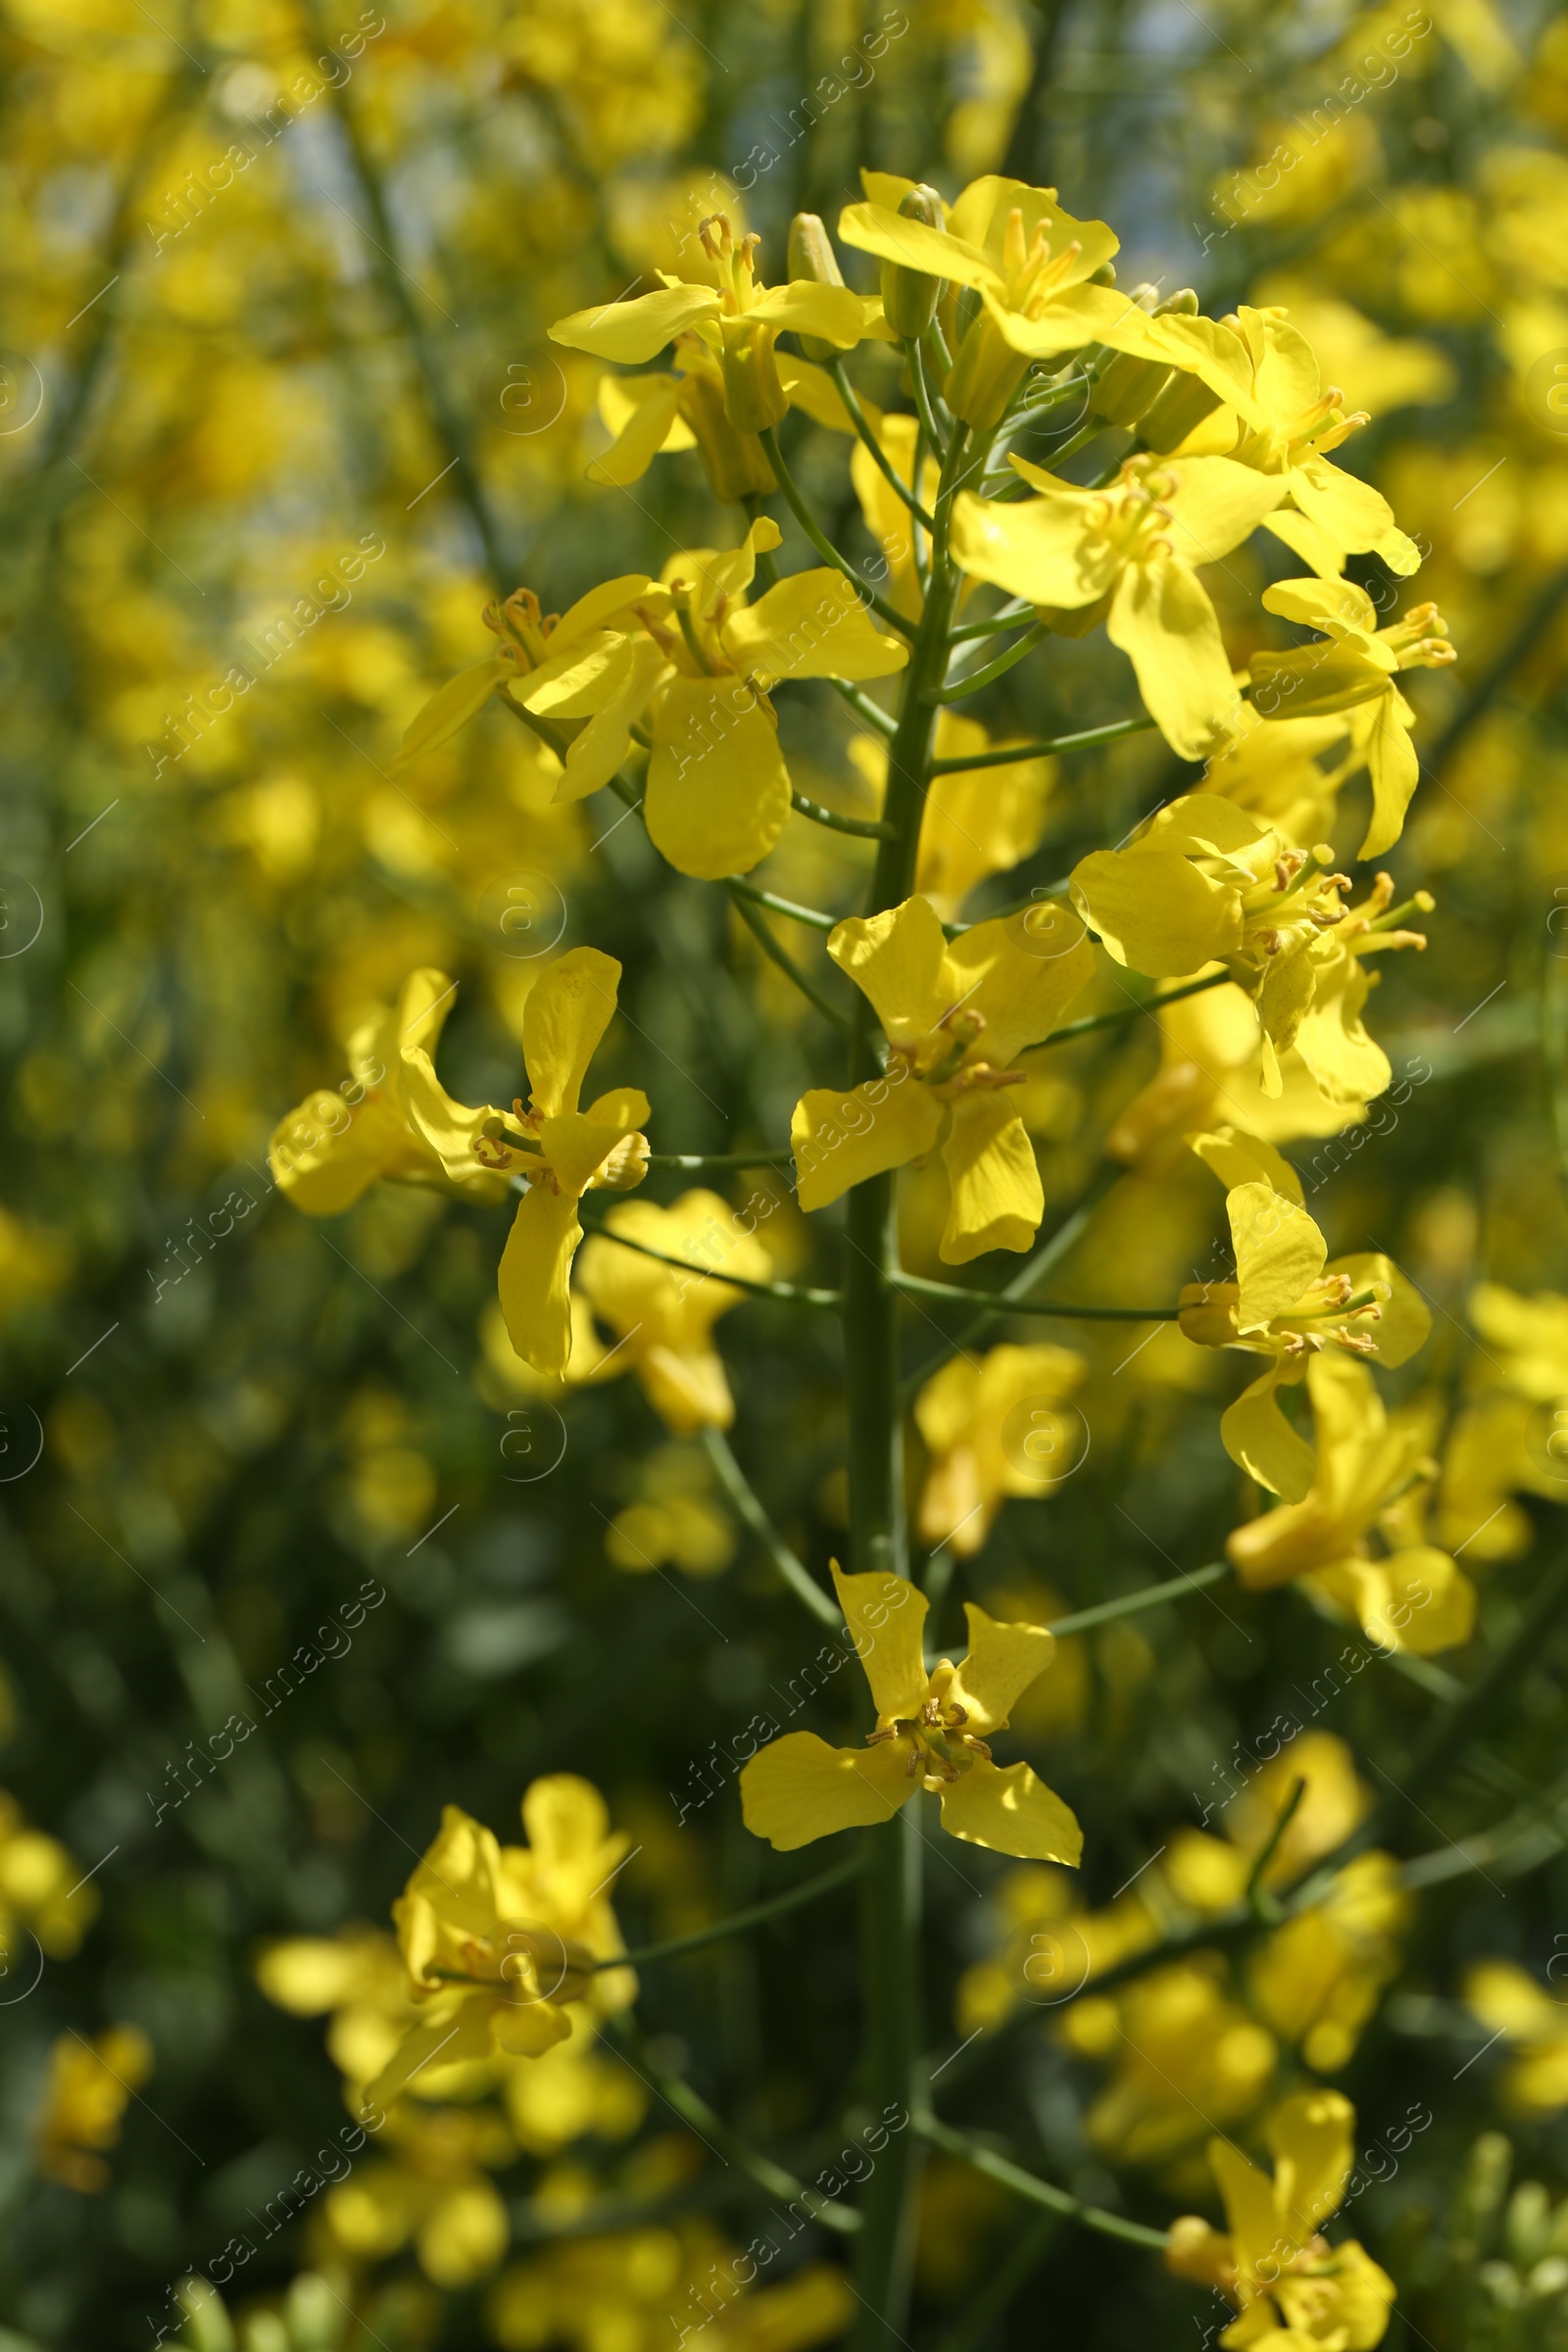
909	296
1176	412
811	256
735	464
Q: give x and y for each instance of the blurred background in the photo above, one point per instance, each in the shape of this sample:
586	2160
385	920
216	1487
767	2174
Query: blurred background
278	417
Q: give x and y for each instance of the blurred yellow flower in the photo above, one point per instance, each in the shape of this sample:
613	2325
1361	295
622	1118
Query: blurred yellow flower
662	1318
90	2086
992	1430
42	1891
1511	2005
931	1732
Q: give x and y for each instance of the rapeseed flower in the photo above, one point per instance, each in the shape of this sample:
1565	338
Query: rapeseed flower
664	1317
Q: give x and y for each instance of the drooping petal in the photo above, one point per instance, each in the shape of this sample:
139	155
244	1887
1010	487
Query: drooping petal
324	1154
996	1201
625	689
568	1009
799	1789
719	791
1162	618
535	1276
1009	1809
1279	1253
1250	2207
449	1128
897	959
1259	1438
1237	1157
914	245
840	1140
1003	1661
450	708
886	1617
644	421
1393	770
634	332
1347	511
811	625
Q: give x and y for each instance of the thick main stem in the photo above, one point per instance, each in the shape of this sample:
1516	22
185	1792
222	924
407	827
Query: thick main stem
891	1888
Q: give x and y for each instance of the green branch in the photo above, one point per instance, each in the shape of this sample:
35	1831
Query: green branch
786	907
976	678
863	705
1029	2185
820	541
883	462
947	1293
738	1487
1039	750
1132	1604
738	1922
780	955
695	1164
788	1293
1127	1013
865	828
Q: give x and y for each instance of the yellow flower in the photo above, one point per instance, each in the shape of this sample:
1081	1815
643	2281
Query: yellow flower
956	1015
1288	1303
41	1892
1129	552
1317	1978
1510	2003
430	2189
1525	1337
1277	417
1028	261
990	1431
1289	2286
1414	1598
90	2085
1207	882
646	2290
356	1976
562	1152
931	1732
887	517
1184	2054
662	1318
332	1149
663	413
1354	671
700	663
735	318
498	1939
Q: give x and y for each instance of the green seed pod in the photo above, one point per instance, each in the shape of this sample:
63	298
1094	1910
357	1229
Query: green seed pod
811	256
735	464
753	397
909	296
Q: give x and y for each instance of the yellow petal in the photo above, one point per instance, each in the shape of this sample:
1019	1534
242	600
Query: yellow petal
719	791
1250	2207
1020	972
811	625
324	1154
914	245
1042	548
798	1789
1405	1323
897	959
1346	510
1003	1661
1259	1438
1507	2001
840	1140
886	1617
450	708
577	1145
996	1197
1216	505
625	688
446	2035
980	216
1393	770
1279	1253
1338	608
813	390
1162	618
803	307
1157	912
1238	1157
450	1129
535	1275
425	1000
527	2028
647	424
1311	2136
567	1012
634	332
1010	1810
1082	315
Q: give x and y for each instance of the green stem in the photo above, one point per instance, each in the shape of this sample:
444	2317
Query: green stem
865	828
822	544
738	1922
778	954
976	678
737	886
880	457
948	1294
788	1293
1038	751
693	2109
1012	618
1029	2185
1127	1013
924	404
704	1164
1132	1604
864	708
738	1487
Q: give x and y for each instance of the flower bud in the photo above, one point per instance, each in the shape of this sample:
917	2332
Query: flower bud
753	397
811	256
735	464
1126	385
1179	410
909	296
